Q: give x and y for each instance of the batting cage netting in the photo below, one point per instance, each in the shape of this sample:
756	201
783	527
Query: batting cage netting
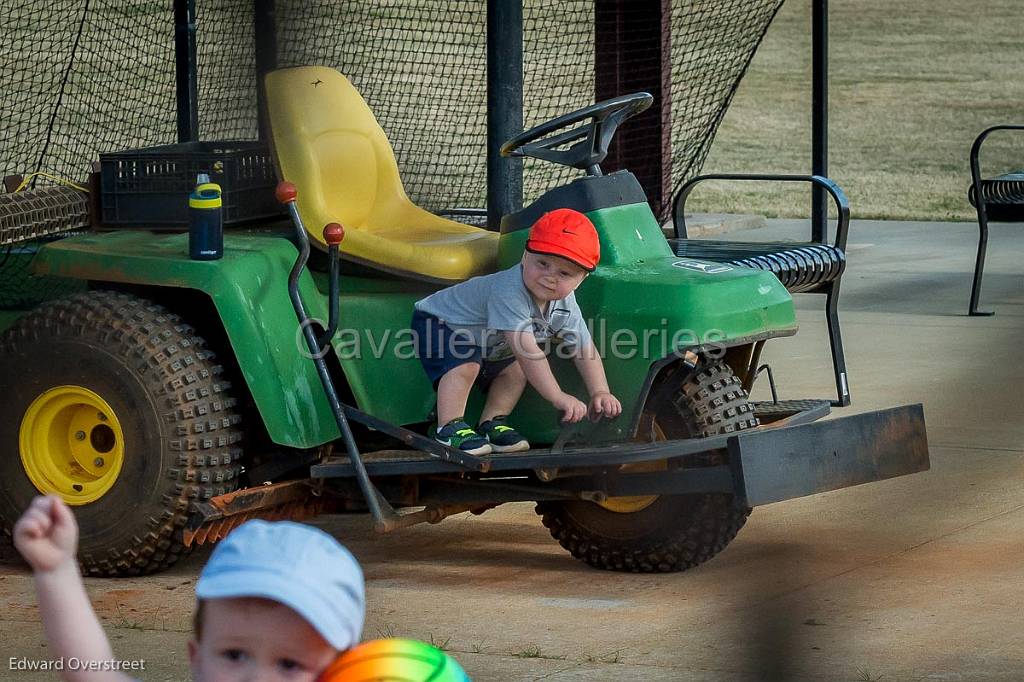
84	77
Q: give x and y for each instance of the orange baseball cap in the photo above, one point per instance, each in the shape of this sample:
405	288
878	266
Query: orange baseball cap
566	233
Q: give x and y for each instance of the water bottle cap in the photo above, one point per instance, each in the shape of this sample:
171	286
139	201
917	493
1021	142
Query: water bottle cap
206	195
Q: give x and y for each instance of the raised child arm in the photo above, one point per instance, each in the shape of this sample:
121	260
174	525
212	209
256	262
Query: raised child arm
47	536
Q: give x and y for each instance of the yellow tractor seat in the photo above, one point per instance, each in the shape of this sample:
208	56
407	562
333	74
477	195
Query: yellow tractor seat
327	142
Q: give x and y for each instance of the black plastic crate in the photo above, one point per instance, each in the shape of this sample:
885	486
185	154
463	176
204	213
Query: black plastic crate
150	187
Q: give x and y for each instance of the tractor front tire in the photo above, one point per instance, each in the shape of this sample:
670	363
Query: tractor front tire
664	533
115	405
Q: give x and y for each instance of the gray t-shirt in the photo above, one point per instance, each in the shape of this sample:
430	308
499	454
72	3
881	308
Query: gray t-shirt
486	306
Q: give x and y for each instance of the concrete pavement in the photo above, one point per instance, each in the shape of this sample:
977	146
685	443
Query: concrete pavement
916	578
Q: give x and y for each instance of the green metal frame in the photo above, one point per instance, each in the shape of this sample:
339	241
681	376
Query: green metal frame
639	288
9	317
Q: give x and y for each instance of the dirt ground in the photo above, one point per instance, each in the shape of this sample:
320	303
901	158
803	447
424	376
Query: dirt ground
916	578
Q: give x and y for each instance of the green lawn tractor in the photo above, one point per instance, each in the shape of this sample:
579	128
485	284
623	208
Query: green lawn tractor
176	398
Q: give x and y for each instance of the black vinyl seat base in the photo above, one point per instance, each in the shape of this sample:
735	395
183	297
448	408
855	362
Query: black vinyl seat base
801	267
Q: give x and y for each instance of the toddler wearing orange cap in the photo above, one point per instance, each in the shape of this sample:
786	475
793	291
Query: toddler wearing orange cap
487	332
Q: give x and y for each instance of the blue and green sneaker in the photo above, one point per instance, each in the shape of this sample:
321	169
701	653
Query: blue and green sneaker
501	436
459	435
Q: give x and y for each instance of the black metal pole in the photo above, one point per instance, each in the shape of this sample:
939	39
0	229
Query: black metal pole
186	81
504	107
819	116
633	52
265	47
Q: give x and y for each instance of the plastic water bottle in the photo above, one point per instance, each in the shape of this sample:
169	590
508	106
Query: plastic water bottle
205	222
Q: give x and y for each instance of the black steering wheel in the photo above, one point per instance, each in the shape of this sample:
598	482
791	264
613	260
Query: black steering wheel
591	139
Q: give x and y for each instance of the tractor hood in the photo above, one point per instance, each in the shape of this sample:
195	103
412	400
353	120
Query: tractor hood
680	302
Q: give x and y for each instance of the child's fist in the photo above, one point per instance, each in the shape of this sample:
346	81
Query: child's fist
604	404
46	534
571	407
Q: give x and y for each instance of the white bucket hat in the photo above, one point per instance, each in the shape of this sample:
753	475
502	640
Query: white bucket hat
296	565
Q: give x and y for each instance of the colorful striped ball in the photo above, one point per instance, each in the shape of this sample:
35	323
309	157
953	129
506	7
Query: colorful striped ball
394	660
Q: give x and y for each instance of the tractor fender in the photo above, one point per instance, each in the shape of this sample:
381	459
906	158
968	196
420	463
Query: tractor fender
738	349
248	288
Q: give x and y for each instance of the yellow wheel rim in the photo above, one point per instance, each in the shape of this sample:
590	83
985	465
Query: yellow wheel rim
631	504
71	444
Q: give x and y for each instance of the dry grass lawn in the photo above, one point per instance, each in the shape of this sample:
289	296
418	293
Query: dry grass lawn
912	84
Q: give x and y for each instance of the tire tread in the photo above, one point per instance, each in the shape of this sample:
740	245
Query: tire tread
712	401
195	404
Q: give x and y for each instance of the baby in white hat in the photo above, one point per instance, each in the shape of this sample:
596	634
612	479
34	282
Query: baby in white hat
275	601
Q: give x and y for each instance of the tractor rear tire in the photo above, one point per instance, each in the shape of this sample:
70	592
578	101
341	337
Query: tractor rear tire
664	533
114	404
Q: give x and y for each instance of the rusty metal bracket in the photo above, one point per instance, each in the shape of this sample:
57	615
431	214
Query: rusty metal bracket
215	518
776	464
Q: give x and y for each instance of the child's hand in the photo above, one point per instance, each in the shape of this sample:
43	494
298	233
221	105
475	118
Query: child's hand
572	409
604	404
46	534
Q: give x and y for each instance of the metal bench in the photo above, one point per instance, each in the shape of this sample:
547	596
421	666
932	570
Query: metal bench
813	267
1002	201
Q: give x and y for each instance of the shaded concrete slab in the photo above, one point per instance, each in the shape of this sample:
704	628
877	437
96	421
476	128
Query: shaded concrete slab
916	578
